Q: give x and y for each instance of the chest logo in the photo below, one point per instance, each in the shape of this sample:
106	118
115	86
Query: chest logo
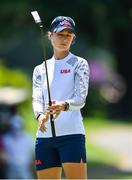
65	71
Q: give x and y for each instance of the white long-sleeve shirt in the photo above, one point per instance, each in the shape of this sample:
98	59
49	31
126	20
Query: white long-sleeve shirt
68	80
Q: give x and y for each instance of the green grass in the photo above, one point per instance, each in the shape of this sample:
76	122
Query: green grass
124	177
96	153
103	163
95	124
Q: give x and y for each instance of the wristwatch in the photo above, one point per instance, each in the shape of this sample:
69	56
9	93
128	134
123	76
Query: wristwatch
66	106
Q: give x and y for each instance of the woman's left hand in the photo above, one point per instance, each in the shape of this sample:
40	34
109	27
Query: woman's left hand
56	108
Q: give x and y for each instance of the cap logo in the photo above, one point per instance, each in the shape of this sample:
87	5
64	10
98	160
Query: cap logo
65	23
62	22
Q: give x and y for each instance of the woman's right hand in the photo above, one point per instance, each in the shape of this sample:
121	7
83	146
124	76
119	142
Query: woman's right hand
41	121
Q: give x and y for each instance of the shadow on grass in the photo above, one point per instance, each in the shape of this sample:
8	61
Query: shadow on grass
104	171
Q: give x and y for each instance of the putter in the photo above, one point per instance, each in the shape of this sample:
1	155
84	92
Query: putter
38	21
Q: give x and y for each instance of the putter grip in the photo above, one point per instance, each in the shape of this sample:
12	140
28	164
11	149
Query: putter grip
52	121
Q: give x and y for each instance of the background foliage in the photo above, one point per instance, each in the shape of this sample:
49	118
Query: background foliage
102	24
103	37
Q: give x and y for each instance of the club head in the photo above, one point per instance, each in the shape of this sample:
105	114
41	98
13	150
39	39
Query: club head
36	17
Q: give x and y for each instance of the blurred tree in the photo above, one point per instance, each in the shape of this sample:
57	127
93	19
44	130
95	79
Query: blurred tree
121	18
13	77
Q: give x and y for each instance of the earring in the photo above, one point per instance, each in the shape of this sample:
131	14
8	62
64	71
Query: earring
73	41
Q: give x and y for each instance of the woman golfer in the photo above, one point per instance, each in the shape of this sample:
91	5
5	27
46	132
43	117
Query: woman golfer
60	143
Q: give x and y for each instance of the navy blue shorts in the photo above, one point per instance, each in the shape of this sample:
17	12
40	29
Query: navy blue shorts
52	152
